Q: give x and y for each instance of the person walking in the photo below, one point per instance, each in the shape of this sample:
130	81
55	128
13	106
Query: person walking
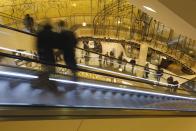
100	60
175	86
112	58
133	63
46	39
159	73
105	62
28	21
67	43
146	71
170	81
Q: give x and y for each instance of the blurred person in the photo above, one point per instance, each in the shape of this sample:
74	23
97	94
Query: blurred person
46	39
39	27
106	59
170	81
120	58
100	50
87	54
124	63
175	86
67	43
100	60
86	58
146	71
159	73
28	21
133	63
111	58
85	44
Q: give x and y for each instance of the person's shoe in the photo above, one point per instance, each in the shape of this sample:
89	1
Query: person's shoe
51	86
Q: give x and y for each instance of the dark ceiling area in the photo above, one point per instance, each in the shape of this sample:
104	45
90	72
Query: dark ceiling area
186	9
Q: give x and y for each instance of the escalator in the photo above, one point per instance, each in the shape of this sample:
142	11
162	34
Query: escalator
21	97
89	98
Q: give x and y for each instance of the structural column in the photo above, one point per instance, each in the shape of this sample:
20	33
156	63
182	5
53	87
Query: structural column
142	59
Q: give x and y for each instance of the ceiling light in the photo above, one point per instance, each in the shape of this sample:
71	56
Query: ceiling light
150	9
74	4
84	24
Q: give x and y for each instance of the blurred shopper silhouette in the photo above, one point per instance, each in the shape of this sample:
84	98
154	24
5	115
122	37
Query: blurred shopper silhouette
46	39
159	73
67	43
133	63
100	60
175	86
112	58
105	62
146	71
120	59
170	81
29	23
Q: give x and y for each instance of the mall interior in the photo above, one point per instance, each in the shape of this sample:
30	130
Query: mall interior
135	65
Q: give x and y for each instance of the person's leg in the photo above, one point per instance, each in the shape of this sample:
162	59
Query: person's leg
132	70
43	57
47	58
70	61
100	63
159	77
111	62
125	66
50	61
104	62
175	89
145	73
171	89
73	66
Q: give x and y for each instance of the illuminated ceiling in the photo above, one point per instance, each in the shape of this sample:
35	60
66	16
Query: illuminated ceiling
50	8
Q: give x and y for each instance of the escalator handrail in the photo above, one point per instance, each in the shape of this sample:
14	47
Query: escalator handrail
17	30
